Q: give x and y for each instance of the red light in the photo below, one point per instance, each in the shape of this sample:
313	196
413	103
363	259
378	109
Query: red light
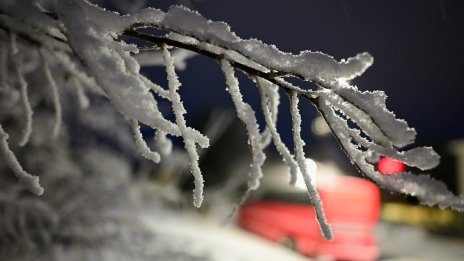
390	166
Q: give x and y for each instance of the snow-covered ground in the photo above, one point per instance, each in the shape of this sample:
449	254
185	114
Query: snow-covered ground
190	237
158	234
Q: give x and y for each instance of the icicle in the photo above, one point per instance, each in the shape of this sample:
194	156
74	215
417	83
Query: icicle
24	93
271	125
141	144
56	95
246	114
31	182
179	112
300	158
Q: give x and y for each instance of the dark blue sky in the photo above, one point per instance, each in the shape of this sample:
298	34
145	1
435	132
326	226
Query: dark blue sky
418	48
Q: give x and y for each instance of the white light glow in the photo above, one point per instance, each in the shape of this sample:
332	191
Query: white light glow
311	168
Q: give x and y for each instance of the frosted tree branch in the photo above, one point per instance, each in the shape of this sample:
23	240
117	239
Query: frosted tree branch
24	93
270	96
31	182
271	120
142	145
247	115
55	92
301	160
179	111
84	102
95	48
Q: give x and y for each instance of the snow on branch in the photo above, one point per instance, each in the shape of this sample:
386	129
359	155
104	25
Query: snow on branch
364	153
142	145
92	45
24	93
270	116
301	160
179	111
247	115
56	94
31	182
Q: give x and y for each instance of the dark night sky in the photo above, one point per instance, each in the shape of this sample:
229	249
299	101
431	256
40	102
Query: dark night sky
418	48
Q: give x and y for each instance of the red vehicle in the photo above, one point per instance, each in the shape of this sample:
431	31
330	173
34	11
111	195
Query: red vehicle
352	207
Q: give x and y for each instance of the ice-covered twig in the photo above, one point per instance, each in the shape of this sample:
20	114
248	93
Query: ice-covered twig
247	115
31	182
179	111
372	104
81	97
306	65
156	88
141	144
108	62
24	93
4	55
270	96
93	49
428	190
77	71
272	127
163	143
56	94
301	160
